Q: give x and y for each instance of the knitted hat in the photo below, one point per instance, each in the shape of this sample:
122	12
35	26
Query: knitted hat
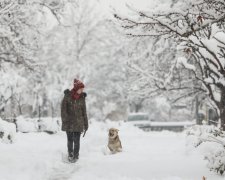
77	84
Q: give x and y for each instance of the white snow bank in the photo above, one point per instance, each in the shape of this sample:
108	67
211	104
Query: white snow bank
7	131
209	141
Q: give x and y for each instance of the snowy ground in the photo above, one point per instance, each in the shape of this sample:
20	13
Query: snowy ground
146	156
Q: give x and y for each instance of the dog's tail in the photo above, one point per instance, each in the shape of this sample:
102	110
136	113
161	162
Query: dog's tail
203	178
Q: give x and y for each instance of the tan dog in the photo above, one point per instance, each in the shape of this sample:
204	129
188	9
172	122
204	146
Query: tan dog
114	143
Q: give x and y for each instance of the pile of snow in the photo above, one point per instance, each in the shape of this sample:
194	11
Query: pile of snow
210	141
50	125
26	124
7	131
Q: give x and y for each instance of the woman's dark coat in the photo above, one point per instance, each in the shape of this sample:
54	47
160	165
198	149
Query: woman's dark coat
73	113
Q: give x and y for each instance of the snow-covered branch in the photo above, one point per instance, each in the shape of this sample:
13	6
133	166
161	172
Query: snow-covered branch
198	29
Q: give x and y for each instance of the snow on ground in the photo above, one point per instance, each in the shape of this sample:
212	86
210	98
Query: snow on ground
146	156
7	131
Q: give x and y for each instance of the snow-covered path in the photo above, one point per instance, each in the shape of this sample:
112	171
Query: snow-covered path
146	156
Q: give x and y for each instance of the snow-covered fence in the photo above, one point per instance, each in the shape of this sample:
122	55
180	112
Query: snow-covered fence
170	126
212	140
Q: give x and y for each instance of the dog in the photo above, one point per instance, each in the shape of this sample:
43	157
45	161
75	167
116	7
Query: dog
114	143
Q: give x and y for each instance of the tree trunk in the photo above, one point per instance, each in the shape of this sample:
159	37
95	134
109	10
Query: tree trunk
222	117
196	110
20	109
39	112
137	107
52	109
13	103
20	106
222	108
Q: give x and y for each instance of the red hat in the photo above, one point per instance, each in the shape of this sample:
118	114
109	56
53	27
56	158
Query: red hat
77	84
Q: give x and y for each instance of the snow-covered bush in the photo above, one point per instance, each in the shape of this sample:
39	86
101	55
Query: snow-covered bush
216	161
211	140
49	125
7	131
26	125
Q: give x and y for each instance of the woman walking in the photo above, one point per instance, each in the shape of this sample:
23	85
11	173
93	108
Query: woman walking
74	118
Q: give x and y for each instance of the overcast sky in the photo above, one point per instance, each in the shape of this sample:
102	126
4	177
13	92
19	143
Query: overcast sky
143	5
121	4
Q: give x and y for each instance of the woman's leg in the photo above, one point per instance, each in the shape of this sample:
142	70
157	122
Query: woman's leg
76	144
70	143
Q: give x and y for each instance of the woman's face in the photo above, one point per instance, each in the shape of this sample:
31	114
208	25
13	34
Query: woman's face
79	91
